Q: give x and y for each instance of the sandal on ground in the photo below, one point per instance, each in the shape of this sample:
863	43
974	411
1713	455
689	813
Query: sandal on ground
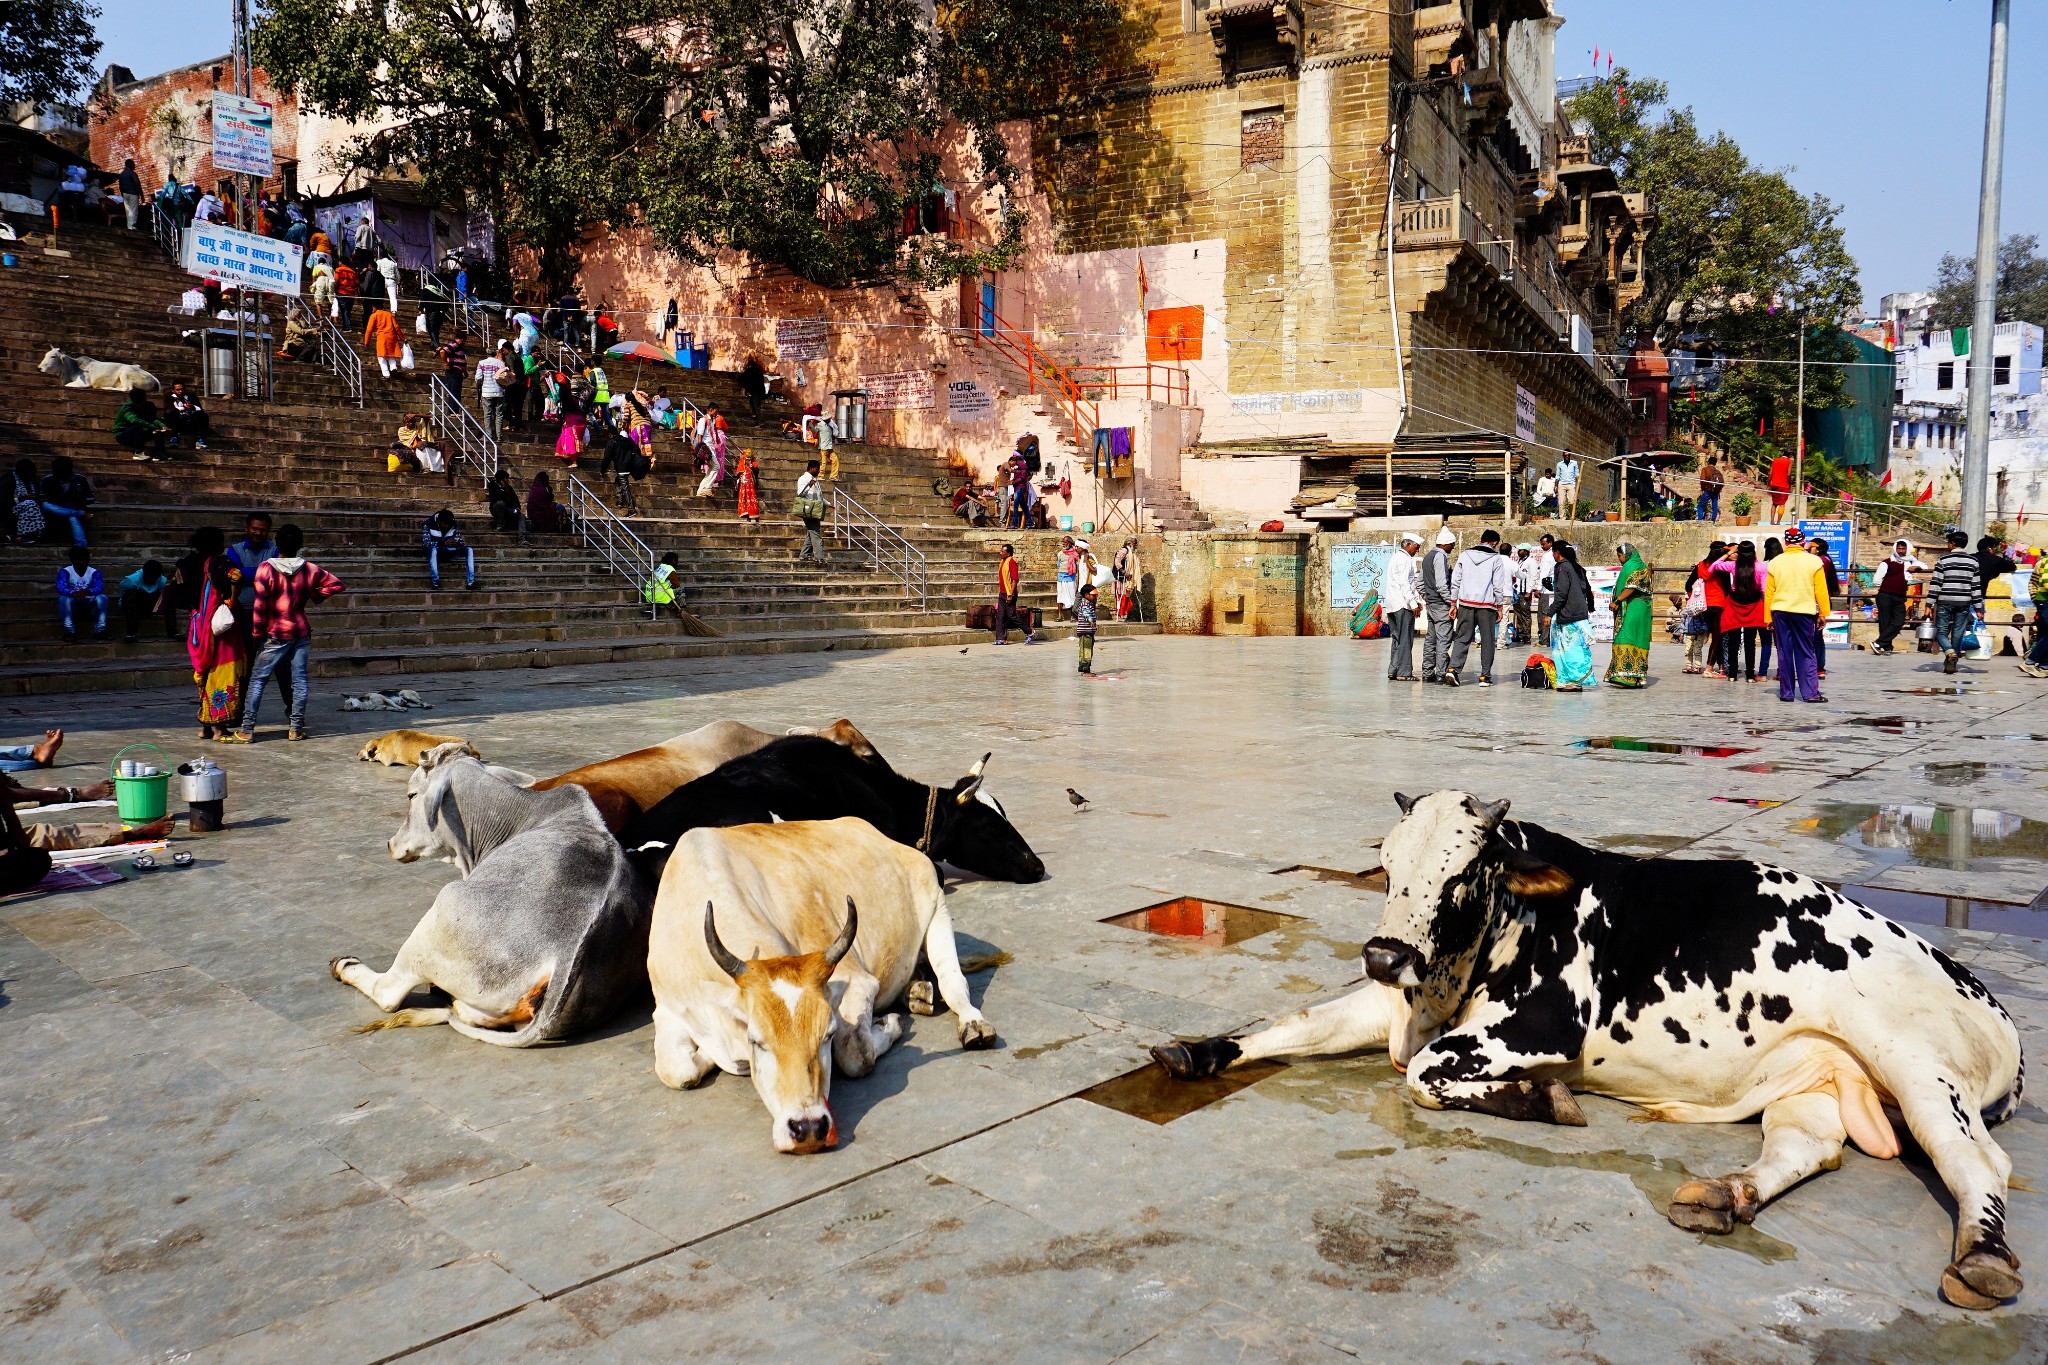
234	737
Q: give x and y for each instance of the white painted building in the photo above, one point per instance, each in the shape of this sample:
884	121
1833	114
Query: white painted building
1931	409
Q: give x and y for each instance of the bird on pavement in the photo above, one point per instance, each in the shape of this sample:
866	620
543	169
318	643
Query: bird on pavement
963	650
1076	797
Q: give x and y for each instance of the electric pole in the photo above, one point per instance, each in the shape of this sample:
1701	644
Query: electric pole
1799	433
1984	325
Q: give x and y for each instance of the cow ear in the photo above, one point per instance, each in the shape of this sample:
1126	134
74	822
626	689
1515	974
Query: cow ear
1406	803
971	783
1532	878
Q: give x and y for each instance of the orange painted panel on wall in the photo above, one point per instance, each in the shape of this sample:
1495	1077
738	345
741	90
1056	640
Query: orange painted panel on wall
1174	333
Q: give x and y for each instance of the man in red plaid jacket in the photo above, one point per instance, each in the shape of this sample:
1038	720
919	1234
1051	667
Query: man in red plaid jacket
285	586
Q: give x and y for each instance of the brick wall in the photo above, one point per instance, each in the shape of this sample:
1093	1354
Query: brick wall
166	124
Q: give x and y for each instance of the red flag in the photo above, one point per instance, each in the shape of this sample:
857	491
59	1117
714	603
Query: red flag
1144	285
1926	494
1886	481
1596	57
1621	95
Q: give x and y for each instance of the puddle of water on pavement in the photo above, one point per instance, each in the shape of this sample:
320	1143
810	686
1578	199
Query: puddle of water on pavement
1962	774
1151	1094
1955	912
1632	745
1372	879
1893	725
1951	837
1959	690
1754	802
1213	924
1371	1086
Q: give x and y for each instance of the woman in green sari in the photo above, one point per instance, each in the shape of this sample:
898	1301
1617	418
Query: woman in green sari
1630	665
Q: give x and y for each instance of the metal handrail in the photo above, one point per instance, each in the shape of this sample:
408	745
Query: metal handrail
459	428
1167	383
1041	371
886	548
170	238
336	351
616	543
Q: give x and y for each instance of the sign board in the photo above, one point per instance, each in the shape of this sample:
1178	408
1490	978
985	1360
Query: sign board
903	389
241	136
967	401
1525	414
242	259
1258	402
1600	625
800	339
1355	571
1328	400
1836	534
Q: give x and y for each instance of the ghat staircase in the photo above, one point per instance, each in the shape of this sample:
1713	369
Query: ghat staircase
315	454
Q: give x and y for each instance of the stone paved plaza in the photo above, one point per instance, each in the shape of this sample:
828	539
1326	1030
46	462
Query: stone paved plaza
201	1161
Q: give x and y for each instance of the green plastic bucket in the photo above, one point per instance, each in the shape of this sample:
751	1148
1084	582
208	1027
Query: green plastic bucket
140	800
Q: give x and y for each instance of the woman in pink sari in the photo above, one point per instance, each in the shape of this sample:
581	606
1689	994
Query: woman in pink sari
569	444
219	653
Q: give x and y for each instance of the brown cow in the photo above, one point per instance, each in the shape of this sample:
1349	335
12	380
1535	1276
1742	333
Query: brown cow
626	786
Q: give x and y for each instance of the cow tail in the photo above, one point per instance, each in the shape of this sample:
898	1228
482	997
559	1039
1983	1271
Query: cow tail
424	1018
530	1021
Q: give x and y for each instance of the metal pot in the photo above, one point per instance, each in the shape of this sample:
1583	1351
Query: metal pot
203	780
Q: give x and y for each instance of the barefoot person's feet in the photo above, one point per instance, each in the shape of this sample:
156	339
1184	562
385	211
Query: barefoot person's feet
46	753
155	829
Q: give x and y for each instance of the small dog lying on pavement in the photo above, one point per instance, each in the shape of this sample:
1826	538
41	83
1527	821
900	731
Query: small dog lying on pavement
404	699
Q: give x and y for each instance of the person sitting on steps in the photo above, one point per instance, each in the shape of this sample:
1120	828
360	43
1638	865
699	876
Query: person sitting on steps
79	589
136	426
440	535
186	417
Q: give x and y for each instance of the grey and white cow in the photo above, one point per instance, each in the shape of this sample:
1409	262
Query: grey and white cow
545	934
1514	966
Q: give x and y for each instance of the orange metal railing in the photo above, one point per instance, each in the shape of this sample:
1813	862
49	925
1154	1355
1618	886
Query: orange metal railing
1158	383
1042	373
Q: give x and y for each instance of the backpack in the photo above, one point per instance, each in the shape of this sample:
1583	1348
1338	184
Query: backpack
1535	676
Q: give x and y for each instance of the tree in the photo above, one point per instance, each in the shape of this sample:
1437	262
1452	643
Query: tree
803	132
1739	259
47	50
2022	285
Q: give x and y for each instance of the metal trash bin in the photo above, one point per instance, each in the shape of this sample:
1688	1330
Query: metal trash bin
220	371
850	414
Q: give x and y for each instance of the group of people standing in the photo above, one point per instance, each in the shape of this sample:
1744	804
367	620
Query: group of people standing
1454	603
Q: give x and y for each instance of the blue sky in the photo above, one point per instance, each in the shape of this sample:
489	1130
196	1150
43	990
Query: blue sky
1878	104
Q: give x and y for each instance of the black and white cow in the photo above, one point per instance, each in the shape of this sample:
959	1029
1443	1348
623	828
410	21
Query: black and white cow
1513	966
804	777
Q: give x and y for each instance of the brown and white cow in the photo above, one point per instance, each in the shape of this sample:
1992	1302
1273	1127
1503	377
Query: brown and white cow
772	945
630	784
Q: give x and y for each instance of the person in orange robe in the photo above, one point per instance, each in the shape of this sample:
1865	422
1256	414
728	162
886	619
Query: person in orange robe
383	336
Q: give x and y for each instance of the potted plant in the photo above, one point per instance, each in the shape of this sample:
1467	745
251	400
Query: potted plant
1742	505
1613	512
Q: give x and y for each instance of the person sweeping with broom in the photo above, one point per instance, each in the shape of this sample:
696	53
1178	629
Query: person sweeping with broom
665	590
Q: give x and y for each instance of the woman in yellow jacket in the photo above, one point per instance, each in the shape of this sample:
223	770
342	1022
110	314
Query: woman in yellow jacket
1795	605
382	335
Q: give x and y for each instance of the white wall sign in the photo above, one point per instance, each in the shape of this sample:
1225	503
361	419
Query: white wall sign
1525	414
243	259
967	401
800	339
1258	402
1328	400
241	136
902	389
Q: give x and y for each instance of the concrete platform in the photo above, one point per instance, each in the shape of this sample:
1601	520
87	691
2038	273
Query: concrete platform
200	1161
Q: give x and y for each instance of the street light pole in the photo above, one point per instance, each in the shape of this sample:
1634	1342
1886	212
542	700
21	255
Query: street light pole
1984	325
1799	433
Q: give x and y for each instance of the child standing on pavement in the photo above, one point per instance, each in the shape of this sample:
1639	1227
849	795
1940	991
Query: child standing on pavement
1084	626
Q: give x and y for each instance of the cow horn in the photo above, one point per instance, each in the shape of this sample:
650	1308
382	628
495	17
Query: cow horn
1406	803
1492	812
973	780
720	954
843	945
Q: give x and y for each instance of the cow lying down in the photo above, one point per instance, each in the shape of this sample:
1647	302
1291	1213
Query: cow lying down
757	971
544	936
1514	966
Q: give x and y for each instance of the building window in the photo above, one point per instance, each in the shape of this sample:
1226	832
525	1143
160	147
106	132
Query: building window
1081	158
1262	138
1945	375
2001	370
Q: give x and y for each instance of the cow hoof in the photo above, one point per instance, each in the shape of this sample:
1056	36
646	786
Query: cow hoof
1193	1061
977	1033
1564	1110
340	965
1712	1205
923	998
1982	1279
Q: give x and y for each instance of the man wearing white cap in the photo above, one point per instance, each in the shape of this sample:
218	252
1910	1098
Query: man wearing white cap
1435	592
1398	603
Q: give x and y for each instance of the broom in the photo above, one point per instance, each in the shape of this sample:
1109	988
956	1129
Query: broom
694	624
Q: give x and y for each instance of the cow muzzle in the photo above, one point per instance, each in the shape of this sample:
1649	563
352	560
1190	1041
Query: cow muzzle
1392	962
800	1134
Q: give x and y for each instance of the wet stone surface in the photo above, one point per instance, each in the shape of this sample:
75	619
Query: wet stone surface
200	1159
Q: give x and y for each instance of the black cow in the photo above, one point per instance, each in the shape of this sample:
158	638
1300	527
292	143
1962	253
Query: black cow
1513	966
803	777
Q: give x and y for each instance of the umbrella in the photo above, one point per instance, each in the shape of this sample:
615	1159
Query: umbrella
644	350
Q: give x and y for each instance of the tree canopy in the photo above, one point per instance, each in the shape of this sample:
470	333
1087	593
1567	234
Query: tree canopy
47	50
1740	258
2022	285
802	132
